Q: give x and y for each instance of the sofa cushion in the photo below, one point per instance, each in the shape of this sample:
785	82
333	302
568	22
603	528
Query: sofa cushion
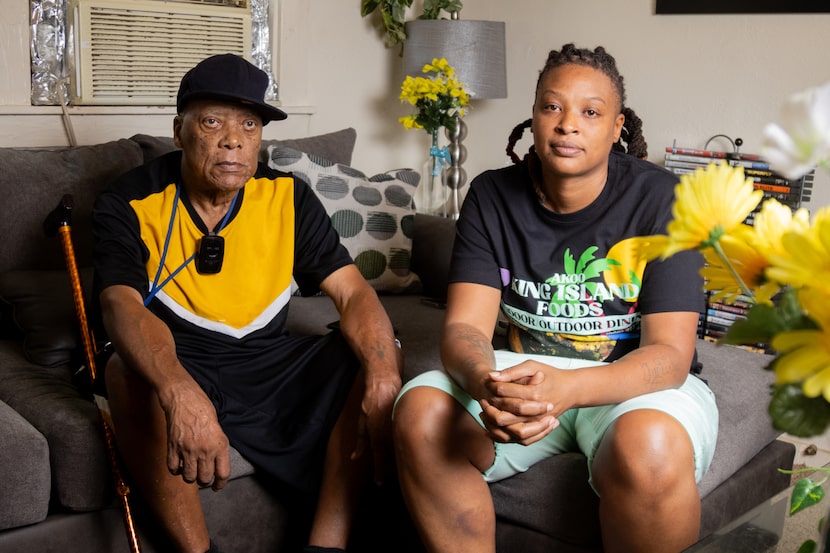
743	390
24	464
44	310
52	403
32	182
337	146
374	216
432	244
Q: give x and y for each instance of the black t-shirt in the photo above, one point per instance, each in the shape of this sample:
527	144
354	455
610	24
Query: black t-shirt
571	283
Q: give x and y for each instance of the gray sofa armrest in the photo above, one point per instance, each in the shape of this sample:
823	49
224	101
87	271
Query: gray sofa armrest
48	399
24	464
742	390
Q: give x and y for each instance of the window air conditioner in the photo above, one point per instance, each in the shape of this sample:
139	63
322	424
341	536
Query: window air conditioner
135	52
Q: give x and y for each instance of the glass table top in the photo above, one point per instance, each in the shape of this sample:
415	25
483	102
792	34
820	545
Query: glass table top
767	528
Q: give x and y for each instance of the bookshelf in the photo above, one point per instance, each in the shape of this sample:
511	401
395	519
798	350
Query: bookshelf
718	317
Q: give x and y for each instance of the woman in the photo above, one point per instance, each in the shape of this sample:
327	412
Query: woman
601	343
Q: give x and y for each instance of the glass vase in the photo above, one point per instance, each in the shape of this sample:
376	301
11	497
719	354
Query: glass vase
431	194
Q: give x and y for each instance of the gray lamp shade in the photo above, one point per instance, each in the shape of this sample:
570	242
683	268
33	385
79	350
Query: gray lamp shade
475	49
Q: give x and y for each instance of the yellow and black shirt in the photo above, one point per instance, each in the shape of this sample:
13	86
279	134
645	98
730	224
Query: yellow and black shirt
277	230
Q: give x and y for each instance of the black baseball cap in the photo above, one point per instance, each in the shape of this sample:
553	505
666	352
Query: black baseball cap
229	77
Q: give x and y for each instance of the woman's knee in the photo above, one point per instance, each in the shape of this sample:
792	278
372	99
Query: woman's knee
420	413
645	449
432	428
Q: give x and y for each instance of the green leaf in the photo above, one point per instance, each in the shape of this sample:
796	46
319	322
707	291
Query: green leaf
368	6
796	414
393	13
598	266
432	8
584	259
806	493
398	12
808	546
569	262
760	326
765	321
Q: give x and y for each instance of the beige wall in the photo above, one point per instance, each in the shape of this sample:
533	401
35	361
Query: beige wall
689	77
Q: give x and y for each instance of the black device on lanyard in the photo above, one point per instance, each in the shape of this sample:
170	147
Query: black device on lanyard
209	257
211	253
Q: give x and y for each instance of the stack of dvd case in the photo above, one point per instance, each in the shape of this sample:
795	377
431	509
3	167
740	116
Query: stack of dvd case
792	193
719	316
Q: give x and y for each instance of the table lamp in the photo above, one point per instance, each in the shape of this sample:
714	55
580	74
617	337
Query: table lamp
476	50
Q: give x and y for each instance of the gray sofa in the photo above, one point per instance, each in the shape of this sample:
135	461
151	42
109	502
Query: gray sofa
56	492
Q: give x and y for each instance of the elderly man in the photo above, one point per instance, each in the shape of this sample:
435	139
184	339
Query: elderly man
194	258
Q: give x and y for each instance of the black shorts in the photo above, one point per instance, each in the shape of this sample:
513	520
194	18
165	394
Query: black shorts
279	413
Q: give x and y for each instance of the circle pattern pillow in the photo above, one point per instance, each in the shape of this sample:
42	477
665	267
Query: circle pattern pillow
374	216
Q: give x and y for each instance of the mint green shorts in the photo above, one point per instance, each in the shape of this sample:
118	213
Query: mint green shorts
582	429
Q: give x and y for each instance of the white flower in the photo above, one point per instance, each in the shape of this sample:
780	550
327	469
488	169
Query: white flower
802	141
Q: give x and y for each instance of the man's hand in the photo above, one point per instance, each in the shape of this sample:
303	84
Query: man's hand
197	449
375	421
367	329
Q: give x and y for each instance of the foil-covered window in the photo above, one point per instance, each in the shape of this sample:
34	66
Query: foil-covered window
261	47
51	46
47	49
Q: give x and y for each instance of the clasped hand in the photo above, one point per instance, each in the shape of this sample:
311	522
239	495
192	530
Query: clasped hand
521	407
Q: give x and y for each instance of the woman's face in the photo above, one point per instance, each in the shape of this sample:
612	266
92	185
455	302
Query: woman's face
576	119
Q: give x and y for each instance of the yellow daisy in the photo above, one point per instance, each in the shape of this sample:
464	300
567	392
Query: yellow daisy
805	356
746	268
748	249
815	303
804	259
709	203
774	220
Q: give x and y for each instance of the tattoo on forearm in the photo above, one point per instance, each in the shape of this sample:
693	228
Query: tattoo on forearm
379	350
478	346
656	371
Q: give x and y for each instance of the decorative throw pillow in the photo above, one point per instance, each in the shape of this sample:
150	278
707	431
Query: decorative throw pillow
374	216
43	308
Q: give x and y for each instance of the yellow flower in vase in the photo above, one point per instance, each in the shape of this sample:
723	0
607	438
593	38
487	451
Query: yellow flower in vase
438	98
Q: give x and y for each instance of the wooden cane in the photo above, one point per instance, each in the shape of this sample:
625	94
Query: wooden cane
59	221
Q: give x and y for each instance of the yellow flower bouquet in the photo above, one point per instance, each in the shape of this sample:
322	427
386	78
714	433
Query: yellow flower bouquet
439	100
781	262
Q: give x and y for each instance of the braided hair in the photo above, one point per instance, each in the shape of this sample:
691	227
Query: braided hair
631	138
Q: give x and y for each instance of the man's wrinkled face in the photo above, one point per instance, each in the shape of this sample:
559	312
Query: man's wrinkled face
220	143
